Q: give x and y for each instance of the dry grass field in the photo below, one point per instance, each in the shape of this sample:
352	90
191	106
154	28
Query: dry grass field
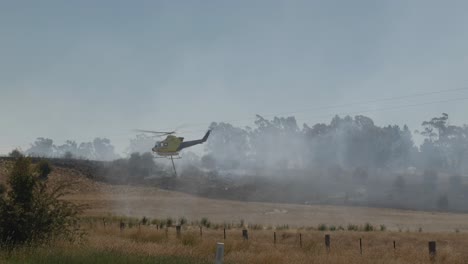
411	230
152	243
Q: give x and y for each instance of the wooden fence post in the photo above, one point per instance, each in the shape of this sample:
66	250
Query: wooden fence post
245	234
360	245
327	242
432	249
300	239
122	225
201	232
274	238
178	231
224	233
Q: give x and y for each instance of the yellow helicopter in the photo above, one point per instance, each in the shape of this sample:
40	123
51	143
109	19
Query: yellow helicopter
172	145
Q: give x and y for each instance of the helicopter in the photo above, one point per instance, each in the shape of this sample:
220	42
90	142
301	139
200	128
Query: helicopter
172	145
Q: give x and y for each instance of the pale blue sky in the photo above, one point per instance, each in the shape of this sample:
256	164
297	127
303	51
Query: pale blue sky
83	69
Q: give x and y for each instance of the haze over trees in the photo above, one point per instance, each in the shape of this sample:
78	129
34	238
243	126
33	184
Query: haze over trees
98	149
353	159
349	160
348	142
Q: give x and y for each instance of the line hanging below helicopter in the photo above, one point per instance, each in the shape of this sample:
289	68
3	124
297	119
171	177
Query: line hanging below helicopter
172	145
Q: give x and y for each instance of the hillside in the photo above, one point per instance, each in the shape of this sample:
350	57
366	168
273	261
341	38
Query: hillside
103	199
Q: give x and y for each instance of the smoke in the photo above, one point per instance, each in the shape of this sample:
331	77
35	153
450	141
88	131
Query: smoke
348	161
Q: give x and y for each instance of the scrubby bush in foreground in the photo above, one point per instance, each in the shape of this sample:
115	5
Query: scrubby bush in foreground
31	211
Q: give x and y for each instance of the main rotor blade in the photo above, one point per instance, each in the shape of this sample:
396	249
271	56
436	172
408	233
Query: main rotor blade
155	132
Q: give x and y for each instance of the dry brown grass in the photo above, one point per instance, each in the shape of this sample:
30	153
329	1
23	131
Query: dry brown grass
104	200
411	247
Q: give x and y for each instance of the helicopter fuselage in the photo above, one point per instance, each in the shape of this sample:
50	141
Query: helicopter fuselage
172	145
168	147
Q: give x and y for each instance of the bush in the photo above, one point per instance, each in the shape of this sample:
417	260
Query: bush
282	227
169	222
144	220
255	227
205	222
182	221
368	227
322	227
44	169
15	153
352	227
31	212
383	228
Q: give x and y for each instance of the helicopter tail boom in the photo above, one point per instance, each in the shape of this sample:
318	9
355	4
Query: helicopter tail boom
194	142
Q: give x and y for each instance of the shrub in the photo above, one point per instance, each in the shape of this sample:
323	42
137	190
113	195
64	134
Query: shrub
383	228
332	228
255	226
352	227
205	222
31	212
169	222
44	169
15	153
322	227
282	227
182	221
368	227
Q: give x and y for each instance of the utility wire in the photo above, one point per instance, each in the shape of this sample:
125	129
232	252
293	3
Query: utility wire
420	94
372	110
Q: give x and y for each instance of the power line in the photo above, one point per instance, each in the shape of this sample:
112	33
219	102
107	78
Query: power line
374	110
420	94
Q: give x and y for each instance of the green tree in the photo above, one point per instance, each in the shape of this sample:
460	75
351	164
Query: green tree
31	212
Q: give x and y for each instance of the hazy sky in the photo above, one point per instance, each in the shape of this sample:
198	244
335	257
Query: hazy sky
83	69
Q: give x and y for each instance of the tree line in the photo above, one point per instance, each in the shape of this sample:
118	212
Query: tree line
347	142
